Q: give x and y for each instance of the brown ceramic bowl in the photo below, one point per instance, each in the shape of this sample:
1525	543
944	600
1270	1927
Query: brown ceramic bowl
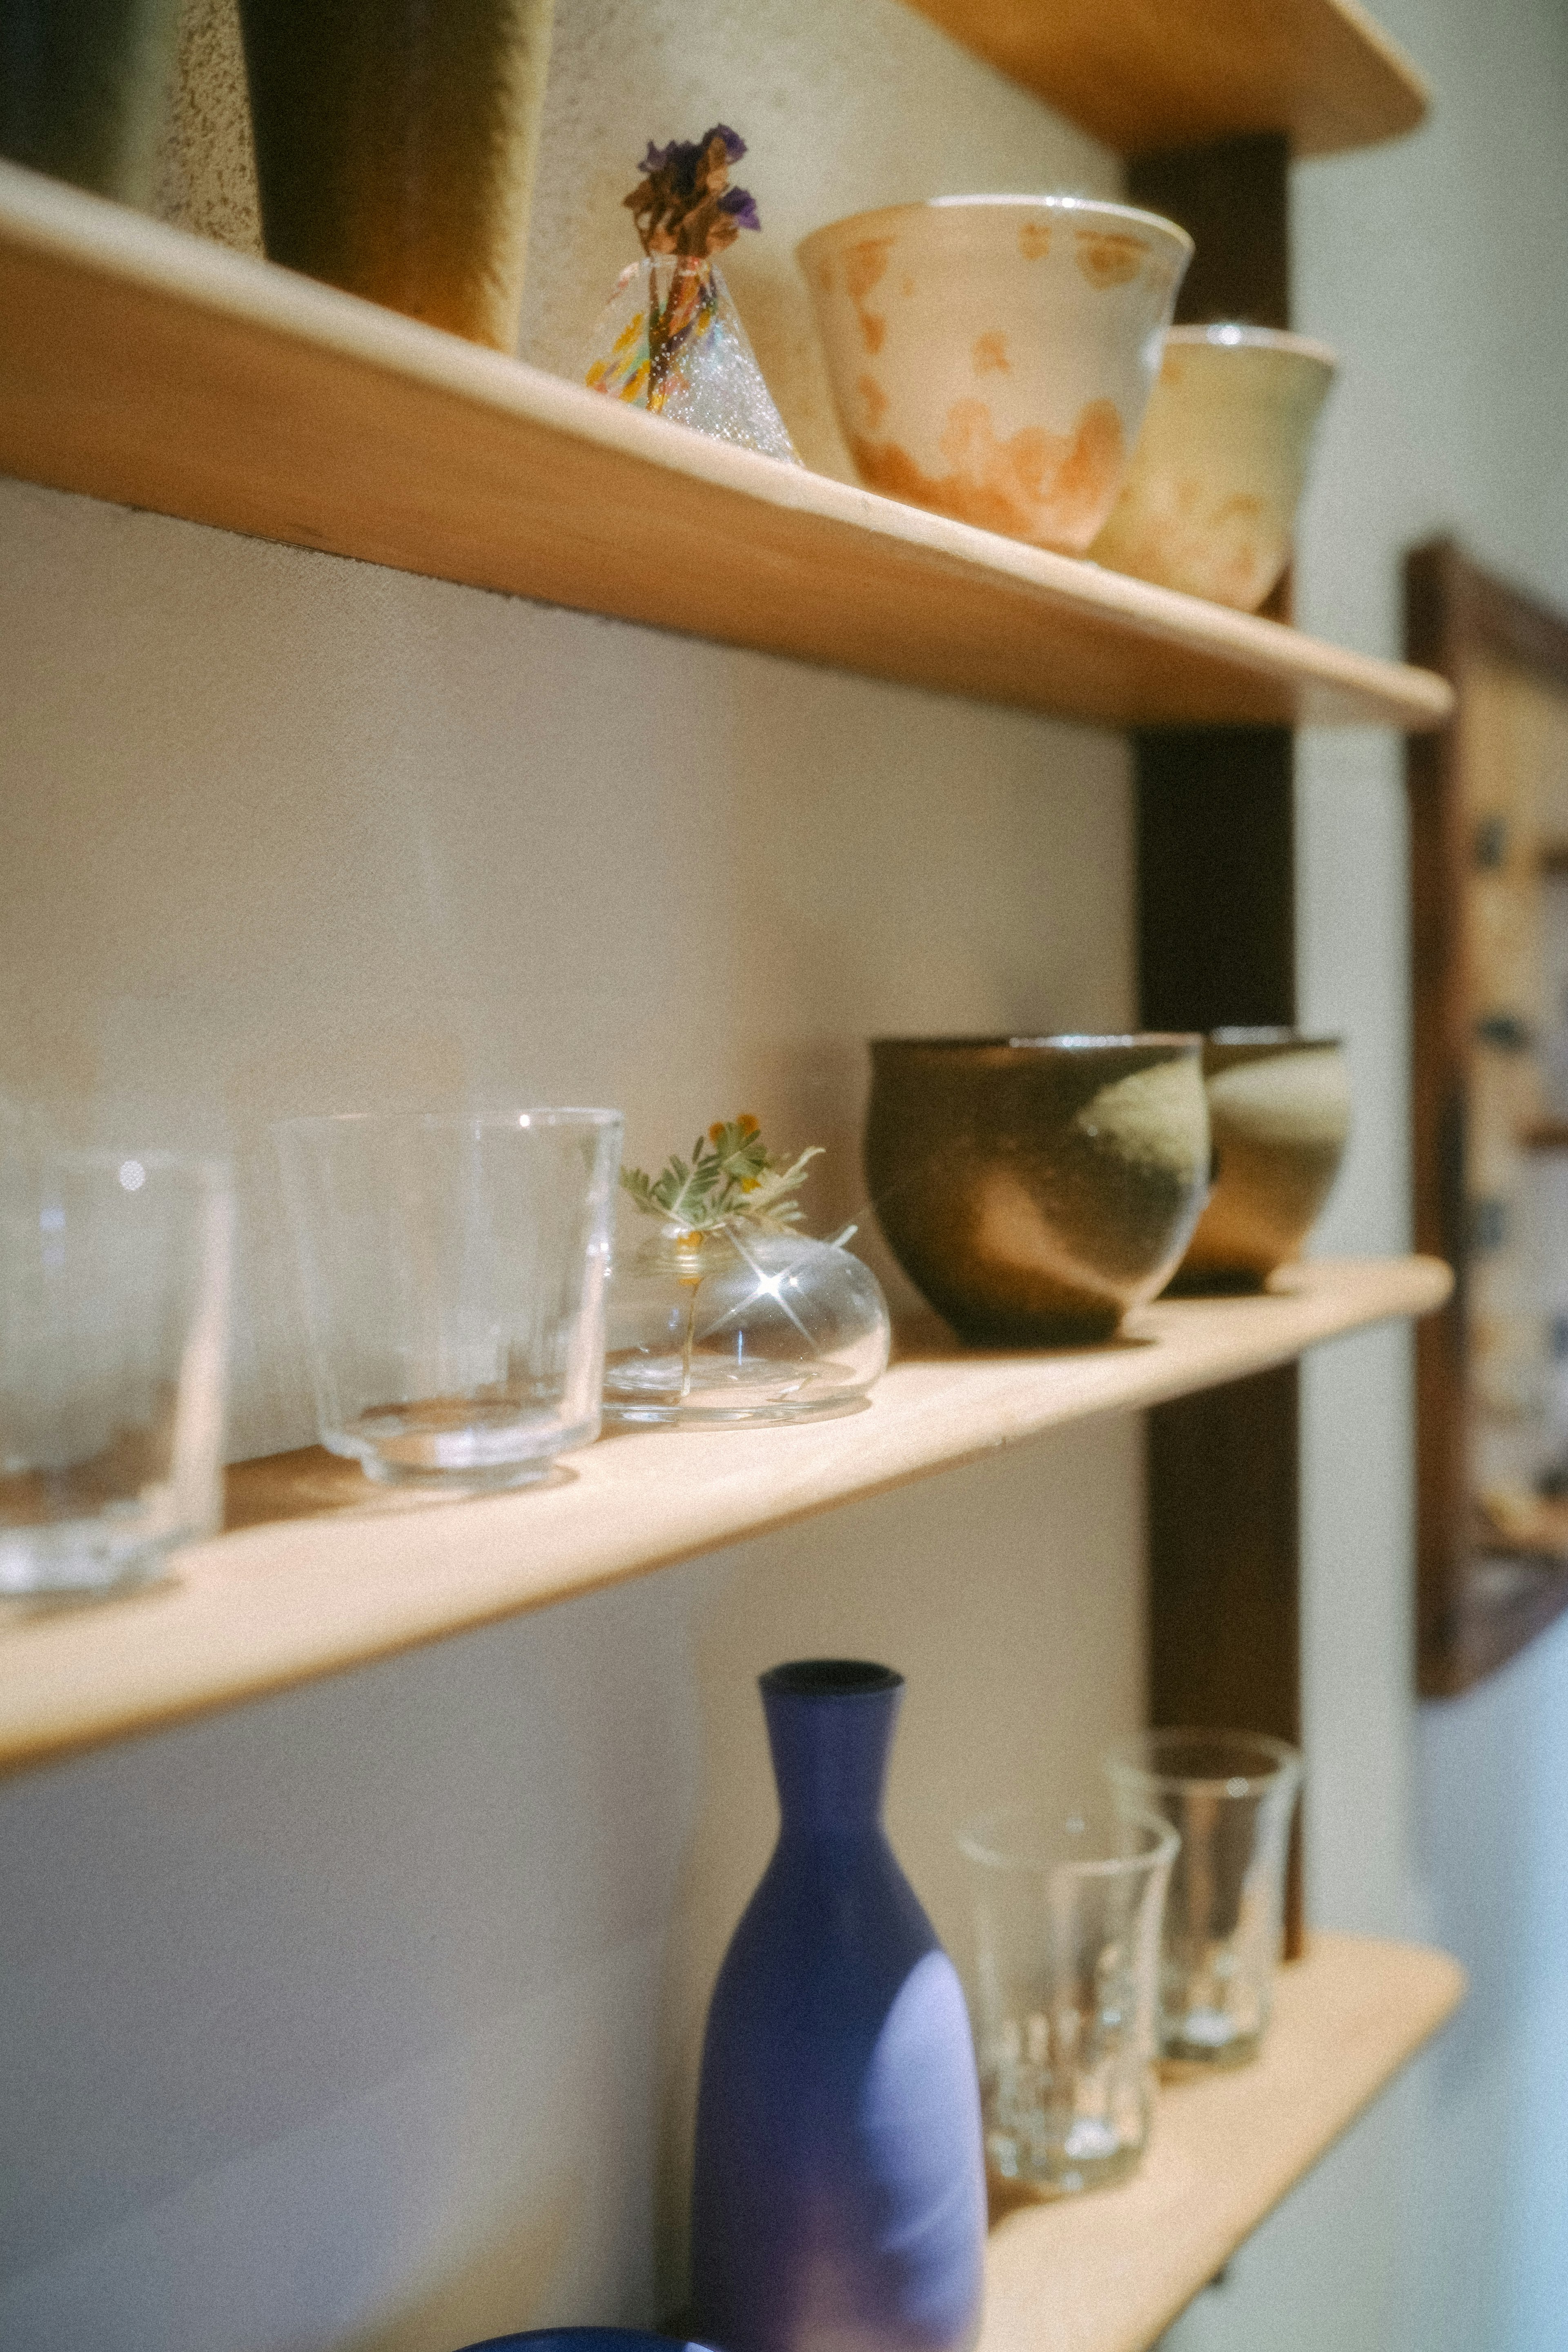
1279	1112
1036	1188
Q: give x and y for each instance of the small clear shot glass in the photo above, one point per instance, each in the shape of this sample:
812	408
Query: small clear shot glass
452	1272
1067	1934
114	1283
1230	1796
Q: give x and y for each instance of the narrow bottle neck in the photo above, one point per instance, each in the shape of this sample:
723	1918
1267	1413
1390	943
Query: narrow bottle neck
830	1758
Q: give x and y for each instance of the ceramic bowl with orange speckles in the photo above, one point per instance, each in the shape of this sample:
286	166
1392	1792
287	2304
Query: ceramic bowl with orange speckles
1209	502
991	356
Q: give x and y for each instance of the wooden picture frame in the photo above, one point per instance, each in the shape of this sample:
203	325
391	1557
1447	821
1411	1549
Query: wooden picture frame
1492	1562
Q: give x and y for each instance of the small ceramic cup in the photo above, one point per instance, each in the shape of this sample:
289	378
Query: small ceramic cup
1210	498
991	356
1037	1188
1279	1112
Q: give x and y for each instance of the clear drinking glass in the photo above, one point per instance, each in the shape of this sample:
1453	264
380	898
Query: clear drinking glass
114	1271
452	1271
1066	1931
1230	1794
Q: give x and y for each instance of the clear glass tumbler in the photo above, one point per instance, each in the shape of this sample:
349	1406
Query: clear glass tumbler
1066	1931
1230	1795
452	1272
114	1271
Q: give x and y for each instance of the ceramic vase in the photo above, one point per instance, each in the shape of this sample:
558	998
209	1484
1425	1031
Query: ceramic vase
839	2196
83	86
394	149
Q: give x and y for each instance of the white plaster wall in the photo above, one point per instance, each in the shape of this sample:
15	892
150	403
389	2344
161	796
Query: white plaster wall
364	2019
1438	268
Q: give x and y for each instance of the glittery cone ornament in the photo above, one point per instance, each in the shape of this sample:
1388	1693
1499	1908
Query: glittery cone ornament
670	339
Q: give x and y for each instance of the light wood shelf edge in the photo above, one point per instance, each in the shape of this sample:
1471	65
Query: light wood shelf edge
1108	2273
144	365
1189	72
323	1573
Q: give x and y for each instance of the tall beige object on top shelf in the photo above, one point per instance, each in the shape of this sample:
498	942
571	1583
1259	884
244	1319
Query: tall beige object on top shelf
991	356
395	145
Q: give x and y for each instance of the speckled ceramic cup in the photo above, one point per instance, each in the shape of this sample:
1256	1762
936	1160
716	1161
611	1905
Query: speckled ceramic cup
394	149
991	356
1210	498
1037	1188
1279	1112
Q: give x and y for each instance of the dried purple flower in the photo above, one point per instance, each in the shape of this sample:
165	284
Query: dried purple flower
684	203
742	208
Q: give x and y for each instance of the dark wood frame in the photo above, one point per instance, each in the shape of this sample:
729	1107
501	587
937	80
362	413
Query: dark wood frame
1474	1611
1216	941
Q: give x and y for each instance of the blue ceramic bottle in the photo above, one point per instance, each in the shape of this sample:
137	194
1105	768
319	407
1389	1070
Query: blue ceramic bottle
840	2198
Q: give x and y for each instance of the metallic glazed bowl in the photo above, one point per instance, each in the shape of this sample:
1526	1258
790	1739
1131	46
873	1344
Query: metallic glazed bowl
1037	1188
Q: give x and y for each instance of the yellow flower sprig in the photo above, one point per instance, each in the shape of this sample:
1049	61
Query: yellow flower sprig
730	1179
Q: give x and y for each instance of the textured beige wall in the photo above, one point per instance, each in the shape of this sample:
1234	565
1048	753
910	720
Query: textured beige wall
366	2017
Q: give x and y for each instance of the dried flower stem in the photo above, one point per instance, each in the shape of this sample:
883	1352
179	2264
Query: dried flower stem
688	1335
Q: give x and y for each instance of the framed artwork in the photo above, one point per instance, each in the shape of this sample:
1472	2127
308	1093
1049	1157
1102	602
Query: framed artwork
1489	835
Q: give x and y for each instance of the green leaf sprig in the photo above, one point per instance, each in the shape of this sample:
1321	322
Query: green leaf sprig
731	1179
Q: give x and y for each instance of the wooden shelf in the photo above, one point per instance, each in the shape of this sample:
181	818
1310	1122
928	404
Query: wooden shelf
144	365
321	1572
1149	75
1107	2272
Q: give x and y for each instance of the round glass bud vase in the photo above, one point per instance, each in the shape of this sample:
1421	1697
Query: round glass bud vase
732	1326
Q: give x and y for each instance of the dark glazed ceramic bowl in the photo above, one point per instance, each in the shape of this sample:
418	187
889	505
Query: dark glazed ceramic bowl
1280	1110
1036	1188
